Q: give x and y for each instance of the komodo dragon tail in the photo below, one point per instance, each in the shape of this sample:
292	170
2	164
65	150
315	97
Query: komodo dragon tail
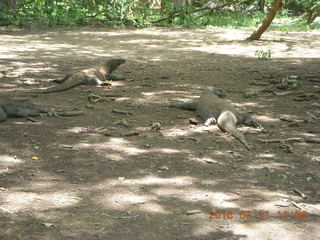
72	82
191	106
227	122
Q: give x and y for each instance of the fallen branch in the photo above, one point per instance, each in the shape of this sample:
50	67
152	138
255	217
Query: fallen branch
313	140
307	140
119	217
281	140
121	112
297	191
312	116
70	113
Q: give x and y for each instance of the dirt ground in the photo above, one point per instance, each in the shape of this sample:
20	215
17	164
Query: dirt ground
149	173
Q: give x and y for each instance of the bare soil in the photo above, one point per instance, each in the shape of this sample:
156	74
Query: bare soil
107	175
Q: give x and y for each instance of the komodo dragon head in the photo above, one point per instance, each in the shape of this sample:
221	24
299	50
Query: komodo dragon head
217	91
113	64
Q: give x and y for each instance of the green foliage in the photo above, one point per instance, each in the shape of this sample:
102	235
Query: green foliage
65	12
141	13
235	19
263	55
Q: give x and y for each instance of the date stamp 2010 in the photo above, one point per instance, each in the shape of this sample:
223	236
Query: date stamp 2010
256	214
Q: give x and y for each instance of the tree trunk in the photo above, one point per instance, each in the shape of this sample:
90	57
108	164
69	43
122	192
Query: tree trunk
277	5
312	17
9	3
312	14
261	5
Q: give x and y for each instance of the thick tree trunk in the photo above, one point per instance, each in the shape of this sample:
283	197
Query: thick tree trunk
312	15
8	3
268	20
261	5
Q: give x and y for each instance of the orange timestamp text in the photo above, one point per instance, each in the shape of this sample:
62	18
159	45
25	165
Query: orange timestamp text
256	214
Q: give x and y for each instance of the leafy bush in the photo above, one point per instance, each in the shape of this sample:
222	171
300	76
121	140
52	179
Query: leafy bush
142	13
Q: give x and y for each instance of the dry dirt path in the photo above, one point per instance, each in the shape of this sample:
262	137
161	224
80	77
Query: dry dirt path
123	179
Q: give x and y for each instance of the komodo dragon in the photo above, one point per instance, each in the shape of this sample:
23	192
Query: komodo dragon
91	76
10	108
214	110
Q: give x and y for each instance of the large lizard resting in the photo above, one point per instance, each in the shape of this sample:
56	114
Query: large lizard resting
214	110
10	108
91	76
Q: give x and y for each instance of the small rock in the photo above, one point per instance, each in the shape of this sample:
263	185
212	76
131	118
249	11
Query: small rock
164	168
89	106
107	134
191	212
31	83
31	119
250	94
146	85
122	122
112	128
193	121
210	161
131	133
121	112
155	126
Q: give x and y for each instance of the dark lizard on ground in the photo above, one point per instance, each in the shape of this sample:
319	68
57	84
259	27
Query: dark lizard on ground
11	108
214	110
92	76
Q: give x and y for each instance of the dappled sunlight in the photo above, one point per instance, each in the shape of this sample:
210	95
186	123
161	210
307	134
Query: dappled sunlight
149	180
8	162
149	163
264	118
162	96
248	104
167	150
45	185
123	146
185	134
179	187
116	144
122	194
22	121
162	92
258	164
205	160
277	230
123	200
265	155
256	229
176	132
15	201
192	195
154	208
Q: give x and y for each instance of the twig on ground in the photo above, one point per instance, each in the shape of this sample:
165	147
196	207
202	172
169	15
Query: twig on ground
119	217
